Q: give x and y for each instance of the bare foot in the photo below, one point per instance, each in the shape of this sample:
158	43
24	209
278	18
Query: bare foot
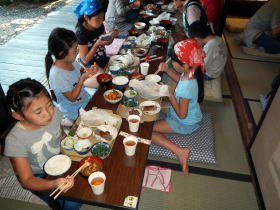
183	158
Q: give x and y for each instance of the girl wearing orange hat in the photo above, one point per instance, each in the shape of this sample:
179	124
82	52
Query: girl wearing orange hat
183	114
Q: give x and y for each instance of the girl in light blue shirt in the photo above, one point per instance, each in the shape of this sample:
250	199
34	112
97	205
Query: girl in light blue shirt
184	114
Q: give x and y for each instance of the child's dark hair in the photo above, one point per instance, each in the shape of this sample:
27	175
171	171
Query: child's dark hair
20	94
200	81
59	42
198	30
81	20
197	72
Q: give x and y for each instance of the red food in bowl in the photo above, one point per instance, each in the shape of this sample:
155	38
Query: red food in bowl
144	15
162	40
133	32
137	76
166	22
104	78
96	164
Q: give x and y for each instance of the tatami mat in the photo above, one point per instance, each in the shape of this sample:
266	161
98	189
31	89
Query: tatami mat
255	77
238	53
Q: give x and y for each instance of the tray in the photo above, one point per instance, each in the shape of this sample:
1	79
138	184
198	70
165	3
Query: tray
77	157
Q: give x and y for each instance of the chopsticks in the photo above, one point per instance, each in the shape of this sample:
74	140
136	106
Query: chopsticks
167	61
63	185
154	59
82	65
150	56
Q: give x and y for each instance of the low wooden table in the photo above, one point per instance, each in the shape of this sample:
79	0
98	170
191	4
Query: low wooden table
124	174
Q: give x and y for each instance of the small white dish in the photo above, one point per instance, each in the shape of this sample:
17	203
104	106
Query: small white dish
57	165
69	142
84	133
105	128
83	146
139	25
120	80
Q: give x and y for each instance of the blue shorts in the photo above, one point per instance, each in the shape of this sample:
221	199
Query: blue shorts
179	127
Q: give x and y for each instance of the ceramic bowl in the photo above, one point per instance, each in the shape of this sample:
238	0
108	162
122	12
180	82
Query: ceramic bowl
153	77
139	25
57	165
82	147
84	133
120	82
137	76
96	164
154	22
104	79
113	96
167	24
114	69
69	142
101	149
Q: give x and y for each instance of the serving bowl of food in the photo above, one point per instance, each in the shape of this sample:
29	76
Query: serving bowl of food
113	96
94	164
69	142
133	32
130	93
114	69
84	132
139	25
82	147
57	165
140	51
167	24
137	76
104	79
105	133
120	82
101	149
162	41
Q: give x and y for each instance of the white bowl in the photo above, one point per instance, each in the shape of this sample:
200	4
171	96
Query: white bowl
57	165
112	101
139	25
69	142
130	93
153	77
84	133
120	80
82	146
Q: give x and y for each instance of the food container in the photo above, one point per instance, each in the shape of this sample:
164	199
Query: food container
104	79
137	76
120	82
69	142
82	147
57	165
154	22
96	164
84	133
101	149
167	24
162	41
139	25
113	96
133	32
105	133
115	69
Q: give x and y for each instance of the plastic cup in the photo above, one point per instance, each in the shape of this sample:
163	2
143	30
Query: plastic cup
97	182
133	123
144	67
130	144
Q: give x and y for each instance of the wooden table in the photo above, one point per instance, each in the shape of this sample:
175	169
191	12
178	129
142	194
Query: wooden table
124	174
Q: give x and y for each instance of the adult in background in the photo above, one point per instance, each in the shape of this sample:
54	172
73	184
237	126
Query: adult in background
213	11
263	29
116	15
214	48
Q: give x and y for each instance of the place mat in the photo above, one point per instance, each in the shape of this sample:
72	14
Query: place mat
76	156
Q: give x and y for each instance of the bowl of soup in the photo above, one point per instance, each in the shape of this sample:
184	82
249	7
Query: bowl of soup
104	79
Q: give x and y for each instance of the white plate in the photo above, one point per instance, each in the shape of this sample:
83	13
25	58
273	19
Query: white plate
113	132
150	103
57	165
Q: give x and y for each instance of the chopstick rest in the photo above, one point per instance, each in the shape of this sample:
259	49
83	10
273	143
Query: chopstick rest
141	140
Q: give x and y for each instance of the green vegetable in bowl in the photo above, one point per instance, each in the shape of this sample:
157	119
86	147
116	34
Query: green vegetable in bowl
100	149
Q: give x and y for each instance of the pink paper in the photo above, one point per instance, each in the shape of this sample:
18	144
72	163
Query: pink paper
114	48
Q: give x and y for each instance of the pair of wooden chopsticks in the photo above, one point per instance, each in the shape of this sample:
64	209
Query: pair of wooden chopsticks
79	62
167	61
63	185
150	56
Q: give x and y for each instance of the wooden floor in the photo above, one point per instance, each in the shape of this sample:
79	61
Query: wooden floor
24	55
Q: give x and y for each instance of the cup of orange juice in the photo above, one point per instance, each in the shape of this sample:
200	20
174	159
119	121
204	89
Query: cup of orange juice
97	182
130	144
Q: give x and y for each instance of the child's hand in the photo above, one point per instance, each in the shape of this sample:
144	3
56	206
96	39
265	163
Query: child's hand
101	42
135	4
94	69
163	67
69	181
86	75
115	33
